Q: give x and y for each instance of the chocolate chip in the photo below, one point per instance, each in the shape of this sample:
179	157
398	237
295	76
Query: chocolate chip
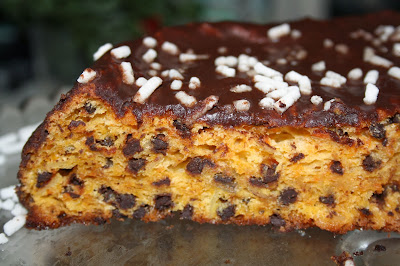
336	167
183	129
366	212
196	165
65	172
73	124
341	137
166	181
395	119
74	180
227	213
89	108
134	165
122	201
379	248
107	192
187	212
73	195
70	191
288	196
379	198
132	146
163	202
390	213
328	200
99	220
297	157
258	182
140	212
224	179
277	220
108	142
118	215
369	164
159	144
43	179
61	215
108	164
377	131
90	142
385	142
125	201
269	173
359	142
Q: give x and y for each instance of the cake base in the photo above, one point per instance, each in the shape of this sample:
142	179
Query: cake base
94	166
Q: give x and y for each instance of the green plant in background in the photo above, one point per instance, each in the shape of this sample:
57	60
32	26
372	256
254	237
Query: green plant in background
94	22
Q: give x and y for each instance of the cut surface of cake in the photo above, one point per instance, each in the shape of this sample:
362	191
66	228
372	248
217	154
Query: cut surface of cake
294	125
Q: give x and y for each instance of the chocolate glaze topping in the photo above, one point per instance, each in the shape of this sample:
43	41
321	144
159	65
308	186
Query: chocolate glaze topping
241	38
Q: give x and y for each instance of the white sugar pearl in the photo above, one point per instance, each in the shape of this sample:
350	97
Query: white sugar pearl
14	225
102	50
371	94
176	85
121	52
355	74
7	192
278	31
315	99
87	75
3	239
150	42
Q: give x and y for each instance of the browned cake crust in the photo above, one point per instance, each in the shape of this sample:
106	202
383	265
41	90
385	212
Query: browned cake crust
102	153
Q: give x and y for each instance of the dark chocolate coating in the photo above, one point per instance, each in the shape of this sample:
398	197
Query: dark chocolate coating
251	39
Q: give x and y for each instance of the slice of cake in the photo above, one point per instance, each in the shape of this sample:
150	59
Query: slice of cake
294	125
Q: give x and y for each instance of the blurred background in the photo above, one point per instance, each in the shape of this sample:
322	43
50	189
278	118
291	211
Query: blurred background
45	44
